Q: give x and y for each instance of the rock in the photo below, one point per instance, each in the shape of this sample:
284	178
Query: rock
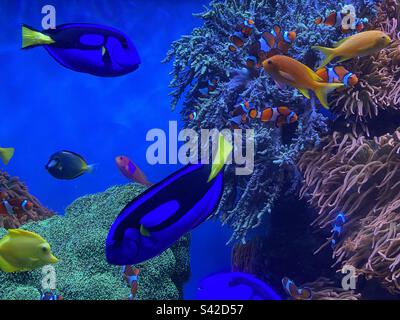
78	240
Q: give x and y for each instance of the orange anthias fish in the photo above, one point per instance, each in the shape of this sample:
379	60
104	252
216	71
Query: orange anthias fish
338	74
359	45
287	71
271	43
295	292
131	171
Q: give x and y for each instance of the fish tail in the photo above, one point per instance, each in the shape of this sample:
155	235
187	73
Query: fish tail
6	154
329	54
224	150
32	38
322	91
92	168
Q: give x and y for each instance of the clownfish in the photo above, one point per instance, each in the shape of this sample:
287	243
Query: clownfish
11	207
337	74
295	292
131	276
279	116
193	116
270	44
210	86
238	38
336	19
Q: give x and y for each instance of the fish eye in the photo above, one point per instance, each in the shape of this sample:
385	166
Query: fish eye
44	249
269	62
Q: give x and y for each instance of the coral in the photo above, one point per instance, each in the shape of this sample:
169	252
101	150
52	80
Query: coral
204	54
379	85
78	240
13	188
323	289
359	177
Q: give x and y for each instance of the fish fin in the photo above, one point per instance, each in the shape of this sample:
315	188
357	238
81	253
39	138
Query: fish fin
269	38
329	54
324	89
224	150
21	232
32	38
339	42
304	92
344	59
103	51
277	28
91	168
6	154
144	232
5	266
287	76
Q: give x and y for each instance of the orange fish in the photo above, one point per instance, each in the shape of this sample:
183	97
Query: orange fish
287	71
338	74
238	38
15	206
295	292
270	44
335	19
131	171
359	45
131	276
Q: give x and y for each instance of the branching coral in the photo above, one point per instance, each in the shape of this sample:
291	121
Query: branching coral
359	177
13	188
204	55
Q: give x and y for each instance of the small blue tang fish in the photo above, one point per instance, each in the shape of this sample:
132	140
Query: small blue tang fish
89	48
235	286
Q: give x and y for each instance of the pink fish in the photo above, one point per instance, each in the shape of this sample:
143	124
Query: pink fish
131	171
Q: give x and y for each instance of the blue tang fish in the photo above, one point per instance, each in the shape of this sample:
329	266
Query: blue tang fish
89	48
235	286
168	210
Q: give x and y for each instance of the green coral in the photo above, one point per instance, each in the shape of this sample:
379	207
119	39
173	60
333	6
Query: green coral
78	240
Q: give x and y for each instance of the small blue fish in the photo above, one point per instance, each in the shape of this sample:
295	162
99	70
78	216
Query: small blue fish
89	48
337	228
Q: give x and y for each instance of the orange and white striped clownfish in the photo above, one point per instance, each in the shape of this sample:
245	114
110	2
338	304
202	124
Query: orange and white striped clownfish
338	74
269	45
295	292
193	116
238	38
280	116
336	18
210	86
241	112
11	207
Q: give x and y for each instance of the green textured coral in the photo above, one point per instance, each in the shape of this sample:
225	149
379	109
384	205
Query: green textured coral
83	273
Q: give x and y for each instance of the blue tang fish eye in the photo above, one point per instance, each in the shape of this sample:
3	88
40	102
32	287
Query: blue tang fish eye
89	48
235	286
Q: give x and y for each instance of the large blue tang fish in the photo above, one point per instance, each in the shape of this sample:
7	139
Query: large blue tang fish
160	216
89	48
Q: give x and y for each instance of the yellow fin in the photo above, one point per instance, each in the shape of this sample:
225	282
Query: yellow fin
6	154
329	54
304	92
223	152
31	38
340	42
5	266
144	232
344	59
323	90
103	51
24	233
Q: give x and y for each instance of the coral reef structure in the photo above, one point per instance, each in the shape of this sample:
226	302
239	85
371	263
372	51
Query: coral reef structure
78	240
13	190
204	55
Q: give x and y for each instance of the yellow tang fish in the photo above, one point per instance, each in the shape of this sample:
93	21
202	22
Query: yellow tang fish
22	250
359	45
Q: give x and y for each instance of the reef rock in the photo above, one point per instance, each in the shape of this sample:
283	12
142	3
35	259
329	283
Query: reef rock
78	240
